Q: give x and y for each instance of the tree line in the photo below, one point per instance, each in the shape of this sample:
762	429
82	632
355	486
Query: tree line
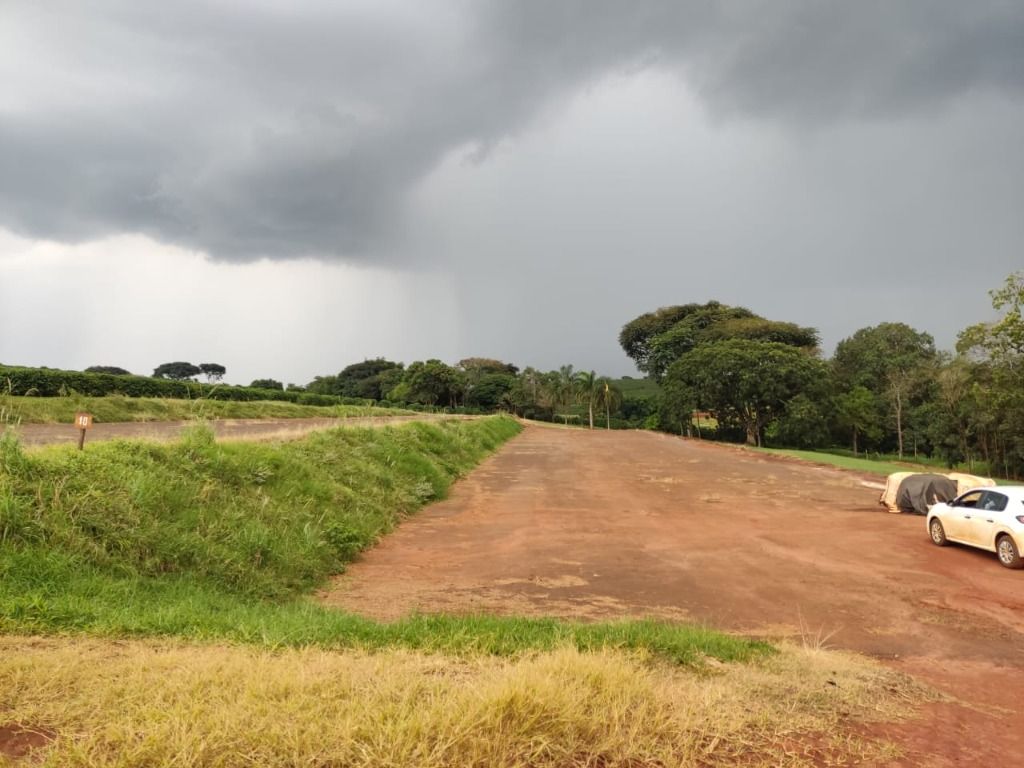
886	389
478	384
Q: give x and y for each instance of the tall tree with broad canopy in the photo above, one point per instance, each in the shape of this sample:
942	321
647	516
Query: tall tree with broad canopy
1003	340
637	335
113	370
433	383
743	382
656	340
861	411
370	379
997	352
179	371
487	381
489	391
890	359
212	371
485	365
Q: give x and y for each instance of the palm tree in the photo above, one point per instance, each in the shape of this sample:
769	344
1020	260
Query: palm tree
532	380
610	397
588	388
566	385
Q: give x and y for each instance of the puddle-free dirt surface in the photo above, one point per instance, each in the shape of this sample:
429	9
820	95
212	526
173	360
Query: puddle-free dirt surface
599	525
23	742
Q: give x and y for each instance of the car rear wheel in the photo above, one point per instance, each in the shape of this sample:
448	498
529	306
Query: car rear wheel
1008	554
938	533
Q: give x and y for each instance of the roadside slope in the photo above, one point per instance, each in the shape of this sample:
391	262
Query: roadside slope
223	429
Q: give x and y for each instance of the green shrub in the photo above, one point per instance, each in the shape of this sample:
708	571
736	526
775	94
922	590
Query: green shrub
264	520
47	382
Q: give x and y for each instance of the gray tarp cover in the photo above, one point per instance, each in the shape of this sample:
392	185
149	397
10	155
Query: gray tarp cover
918	492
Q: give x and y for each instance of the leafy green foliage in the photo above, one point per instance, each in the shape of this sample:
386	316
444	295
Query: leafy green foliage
178	371
743	382
872	356
480	366
656	340
255	519
212	371
636	335
988	416
432	383
1003	340
113	370
892	360
803	423
860	411
267	384
490	391
49	382
371	379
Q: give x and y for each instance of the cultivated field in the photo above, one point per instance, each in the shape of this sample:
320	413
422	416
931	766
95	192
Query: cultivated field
600	525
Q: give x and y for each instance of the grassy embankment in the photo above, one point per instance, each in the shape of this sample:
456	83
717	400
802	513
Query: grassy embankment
214	549
208	540
113	408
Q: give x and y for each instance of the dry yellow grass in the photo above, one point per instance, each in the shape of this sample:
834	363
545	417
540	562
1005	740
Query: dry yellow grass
148	704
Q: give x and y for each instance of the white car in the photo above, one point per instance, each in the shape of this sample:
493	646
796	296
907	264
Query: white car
990	518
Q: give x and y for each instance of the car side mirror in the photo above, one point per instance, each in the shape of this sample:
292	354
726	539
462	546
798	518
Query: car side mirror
951	503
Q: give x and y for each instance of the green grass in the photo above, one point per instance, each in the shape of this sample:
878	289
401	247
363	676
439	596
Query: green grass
225	541
871	466
41	593
61	410
262	519
637	389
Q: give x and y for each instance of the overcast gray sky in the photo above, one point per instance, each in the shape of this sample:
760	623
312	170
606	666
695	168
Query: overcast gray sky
289	187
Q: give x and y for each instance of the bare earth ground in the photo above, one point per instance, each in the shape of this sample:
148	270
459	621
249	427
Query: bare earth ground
225	429
599	525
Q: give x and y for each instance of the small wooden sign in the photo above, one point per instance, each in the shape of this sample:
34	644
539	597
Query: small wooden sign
83	421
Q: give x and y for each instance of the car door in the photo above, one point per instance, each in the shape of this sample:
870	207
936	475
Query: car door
962	512
986	519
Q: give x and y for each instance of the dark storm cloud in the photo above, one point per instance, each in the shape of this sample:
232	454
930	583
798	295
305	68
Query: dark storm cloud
282	130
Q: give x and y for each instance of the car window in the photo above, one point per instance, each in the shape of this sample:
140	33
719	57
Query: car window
969	499
994	502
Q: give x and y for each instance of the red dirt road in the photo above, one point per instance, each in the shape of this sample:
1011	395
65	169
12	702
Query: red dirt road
604	525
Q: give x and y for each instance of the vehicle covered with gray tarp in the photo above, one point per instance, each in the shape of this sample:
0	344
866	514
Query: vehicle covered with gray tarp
918	492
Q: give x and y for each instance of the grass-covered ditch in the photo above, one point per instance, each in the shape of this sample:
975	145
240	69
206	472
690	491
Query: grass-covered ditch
227	541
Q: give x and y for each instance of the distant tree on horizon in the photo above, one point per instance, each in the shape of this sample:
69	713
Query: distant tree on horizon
178	371
212	371
113	370
267	384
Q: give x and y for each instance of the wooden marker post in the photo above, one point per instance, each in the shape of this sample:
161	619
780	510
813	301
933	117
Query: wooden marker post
83	421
